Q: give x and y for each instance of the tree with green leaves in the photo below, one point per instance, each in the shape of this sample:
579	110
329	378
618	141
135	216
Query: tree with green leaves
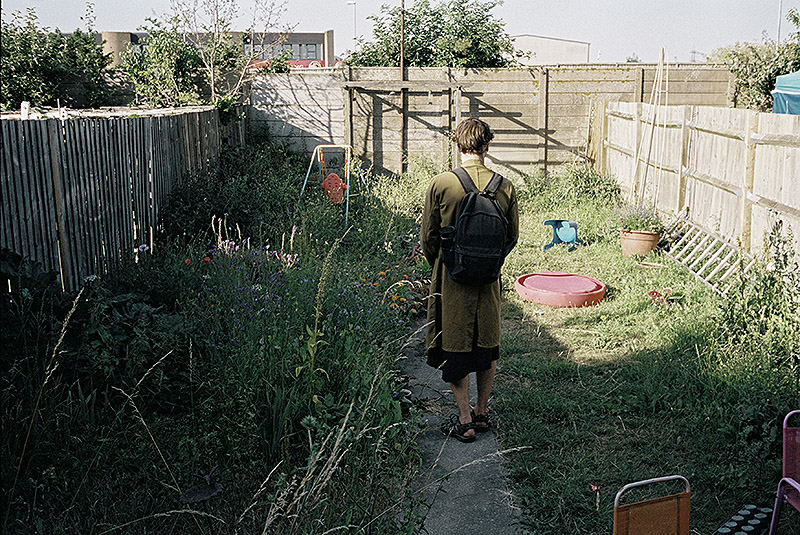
226	55
49	68
165	68
196	56
755	66
452	33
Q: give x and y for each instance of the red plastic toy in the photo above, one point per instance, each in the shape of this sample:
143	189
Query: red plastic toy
334	188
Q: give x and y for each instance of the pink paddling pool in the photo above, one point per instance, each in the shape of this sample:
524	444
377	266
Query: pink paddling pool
558	289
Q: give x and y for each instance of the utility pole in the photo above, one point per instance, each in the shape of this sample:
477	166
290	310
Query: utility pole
403	92
780	18
403	40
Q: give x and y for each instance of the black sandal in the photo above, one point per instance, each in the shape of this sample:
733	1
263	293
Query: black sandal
454	428
480	422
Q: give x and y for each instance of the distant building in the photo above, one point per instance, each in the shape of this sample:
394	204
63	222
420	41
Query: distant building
115	43
307	49
550	50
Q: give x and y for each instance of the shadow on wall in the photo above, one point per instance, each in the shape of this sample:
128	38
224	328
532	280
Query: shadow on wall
301	112
298	112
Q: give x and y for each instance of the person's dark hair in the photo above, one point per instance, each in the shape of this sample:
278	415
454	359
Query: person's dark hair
472	136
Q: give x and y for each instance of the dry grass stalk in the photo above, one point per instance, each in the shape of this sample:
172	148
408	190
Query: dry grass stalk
51	367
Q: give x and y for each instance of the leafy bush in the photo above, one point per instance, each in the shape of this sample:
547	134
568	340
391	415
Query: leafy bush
165	68
760	326
266	348
755	66
47	67
257	187
454	33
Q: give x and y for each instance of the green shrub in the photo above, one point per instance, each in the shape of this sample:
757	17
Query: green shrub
755	66
166	69
250	338
47	67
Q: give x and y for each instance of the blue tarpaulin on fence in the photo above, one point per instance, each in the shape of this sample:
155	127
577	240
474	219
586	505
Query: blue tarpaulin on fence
786	96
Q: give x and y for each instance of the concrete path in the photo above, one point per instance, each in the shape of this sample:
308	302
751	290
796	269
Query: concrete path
463	486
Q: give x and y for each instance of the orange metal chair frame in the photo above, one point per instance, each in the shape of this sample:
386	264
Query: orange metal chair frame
665	515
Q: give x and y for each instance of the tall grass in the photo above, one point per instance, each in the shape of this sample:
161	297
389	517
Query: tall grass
255	344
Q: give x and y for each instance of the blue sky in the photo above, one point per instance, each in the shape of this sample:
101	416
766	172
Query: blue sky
615	28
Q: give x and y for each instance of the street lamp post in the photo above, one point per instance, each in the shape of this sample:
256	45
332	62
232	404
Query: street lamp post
353	3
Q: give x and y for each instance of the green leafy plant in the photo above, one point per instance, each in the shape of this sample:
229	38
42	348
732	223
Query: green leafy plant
49	68
278	64
452	33
762	315
165	67
755	66
645	218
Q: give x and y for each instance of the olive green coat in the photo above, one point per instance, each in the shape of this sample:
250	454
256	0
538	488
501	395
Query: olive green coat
454	309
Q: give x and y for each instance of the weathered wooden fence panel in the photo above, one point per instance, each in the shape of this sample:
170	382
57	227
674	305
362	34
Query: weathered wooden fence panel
80	195
735	171
540	115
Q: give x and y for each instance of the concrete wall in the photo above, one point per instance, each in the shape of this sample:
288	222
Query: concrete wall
540	115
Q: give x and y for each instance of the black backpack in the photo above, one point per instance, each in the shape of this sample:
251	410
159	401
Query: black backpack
473	250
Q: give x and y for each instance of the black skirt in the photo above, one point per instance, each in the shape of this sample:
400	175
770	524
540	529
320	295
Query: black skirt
456	365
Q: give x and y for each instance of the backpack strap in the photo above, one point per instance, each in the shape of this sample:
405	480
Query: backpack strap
465	179
469	185
494	184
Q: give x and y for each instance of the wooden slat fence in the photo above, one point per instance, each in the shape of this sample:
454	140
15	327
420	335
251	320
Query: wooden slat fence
734	170
80	195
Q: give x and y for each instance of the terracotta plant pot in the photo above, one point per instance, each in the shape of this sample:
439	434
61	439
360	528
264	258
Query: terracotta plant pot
638	242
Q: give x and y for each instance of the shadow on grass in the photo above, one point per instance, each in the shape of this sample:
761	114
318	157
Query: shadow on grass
628	416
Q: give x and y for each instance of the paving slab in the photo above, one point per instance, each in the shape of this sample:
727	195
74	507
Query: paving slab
463	485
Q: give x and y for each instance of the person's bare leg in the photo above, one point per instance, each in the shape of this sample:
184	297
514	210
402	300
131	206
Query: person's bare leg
485	381
461	393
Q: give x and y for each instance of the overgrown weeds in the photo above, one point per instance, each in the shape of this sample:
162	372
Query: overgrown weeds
226	345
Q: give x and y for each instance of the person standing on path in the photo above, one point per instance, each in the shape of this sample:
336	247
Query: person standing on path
463	333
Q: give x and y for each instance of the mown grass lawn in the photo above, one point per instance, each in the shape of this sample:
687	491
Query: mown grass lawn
631	389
